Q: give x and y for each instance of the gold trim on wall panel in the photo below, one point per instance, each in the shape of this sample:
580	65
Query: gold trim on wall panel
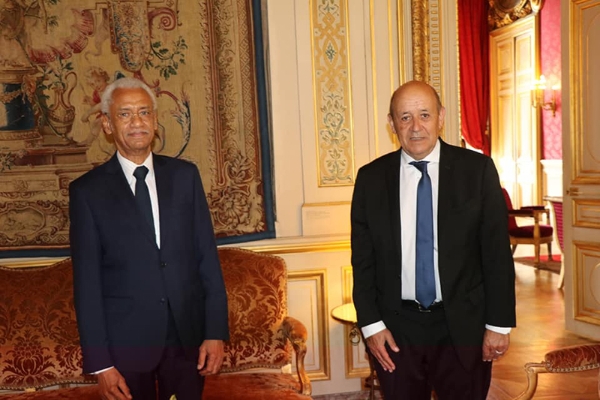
374	72
317	301
586	213
458	72
583	79
30	263
352	351
436	60
420	42
391	32
403	63
427	44
332	92
337	245
435	46
586	259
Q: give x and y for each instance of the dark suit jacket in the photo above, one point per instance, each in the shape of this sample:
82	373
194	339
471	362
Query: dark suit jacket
474	259
124	283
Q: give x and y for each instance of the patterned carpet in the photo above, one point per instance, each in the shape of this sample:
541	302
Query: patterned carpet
349	396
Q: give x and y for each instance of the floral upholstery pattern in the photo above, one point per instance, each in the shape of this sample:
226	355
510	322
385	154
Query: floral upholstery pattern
39	341
257	299
573	358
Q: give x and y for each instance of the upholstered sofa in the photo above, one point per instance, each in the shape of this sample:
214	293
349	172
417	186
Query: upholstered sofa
40	357
569	359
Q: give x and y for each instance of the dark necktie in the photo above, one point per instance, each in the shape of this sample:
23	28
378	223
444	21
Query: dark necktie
142	195
425	275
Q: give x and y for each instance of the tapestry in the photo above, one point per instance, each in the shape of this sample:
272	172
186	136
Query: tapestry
204	61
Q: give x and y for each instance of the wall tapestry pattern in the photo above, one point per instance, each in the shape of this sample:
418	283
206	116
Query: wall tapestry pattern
199	57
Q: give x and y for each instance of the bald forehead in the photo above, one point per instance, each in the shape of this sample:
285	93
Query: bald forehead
415	90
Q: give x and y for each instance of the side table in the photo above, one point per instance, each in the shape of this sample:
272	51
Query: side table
346	313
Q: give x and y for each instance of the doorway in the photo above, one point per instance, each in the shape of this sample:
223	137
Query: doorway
514	123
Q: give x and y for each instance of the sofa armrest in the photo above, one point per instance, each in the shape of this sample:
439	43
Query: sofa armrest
567	359
296	333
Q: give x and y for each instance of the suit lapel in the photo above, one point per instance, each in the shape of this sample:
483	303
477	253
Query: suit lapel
125	199
445	185
165	197
119	187
393	188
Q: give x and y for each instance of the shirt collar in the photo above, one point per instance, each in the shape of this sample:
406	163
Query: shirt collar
433	157
129	166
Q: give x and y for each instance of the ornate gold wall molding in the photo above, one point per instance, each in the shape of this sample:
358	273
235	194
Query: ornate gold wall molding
311	287
420	40
584	41
332	95
505	12
427	42
435	45
586	276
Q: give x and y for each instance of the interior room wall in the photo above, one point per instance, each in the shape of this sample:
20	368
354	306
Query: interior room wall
550	67
312	217
550	62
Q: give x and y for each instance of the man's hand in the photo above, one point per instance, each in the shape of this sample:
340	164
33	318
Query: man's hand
376	344
494	345
112	385
211	356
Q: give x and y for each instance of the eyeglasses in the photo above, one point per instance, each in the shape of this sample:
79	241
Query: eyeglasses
127	116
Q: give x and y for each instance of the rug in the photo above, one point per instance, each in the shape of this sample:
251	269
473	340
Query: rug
545	264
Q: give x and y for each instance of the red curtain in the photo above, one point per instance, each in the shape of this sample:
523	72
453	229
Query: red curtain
473	36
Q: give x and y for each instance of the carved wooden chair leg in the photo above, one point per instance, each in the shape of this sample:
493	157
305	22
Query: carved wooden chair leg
561	277
532	379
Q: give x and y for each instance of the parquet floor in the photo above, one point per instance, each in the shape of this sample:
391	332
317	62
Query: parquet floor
540	328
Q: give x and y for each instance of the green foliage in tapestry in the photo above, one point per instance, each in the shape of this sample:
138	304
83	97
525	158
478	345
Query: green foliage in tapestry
165	60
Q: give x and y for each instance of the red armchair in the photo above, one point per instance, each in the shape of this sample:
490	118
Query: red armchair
535	234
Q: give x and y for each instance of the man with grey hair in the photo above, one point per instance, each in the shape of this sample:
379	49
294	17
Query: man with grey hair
149	292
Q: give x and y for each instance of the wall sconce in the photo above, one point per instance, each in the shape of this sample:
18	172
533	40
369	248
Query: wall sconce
538	93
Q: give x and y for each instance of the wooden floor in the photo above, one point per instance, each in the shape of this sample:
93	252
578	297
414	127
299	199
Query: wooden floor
540	328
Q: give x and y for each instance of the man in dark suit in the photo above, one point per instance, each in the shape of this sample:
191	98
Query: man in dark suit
149	292
432	322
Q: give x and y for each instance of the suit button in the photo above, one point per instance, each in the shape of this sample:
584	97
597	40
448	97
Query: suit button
163	300
163	265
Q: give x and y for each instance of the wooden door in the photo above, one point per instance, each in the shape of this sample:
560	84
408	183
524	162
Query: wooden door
581	164
514	132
